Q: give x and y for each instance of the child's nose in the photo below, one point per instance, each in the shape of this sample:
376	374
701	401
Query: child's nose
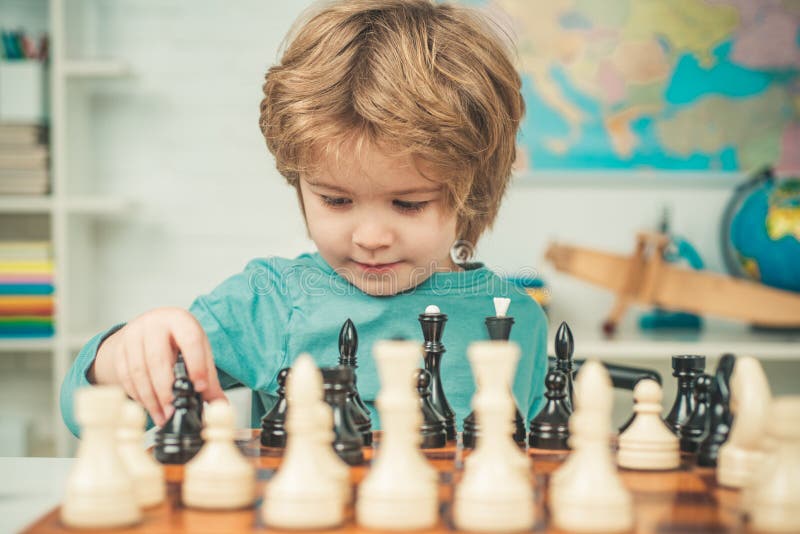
372	235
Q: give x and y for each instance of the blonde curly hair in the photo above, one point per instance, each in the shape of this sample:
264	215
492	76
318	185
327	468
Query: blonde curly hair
433	81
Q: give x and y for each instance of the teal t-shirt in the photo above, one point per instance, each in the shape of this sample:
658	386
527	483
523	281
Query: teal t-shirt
260	320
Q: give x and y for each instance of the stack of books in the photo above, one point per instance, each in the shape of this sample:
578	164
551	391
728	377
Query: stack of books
24	160
26	289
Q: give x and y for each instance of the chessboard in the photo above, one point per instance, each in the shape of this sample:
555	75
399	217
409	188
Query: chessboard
683	500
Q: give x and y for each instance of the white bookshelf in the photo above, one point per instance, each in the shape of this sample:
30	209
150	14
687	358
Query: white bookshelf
75	205
86	205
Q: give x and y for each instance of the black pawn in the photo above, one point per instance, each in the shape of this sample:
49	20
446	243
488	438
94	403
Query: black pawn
180	438
720	416
273	424
434	427
338	381
695	429
181	372
348	346
549	429
432	328
685	368
564	348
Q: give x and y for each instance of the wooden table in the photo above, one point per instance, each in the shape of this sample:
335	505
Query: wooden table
686	500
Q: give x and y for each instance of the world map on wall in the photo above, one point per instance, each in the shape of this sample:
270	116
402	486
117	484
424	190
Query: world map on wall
663	85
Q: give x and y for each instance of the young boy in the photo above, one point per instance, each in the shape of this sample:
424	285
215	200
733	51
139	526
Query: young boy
395	121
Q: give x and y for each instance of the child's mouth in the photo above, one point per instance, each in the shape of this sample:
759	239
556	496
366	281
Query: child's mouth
377	267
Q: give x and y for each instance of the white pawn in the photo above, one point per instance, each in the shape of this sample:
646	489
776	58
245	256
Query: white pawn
594	393
330	461
400	491
100	492
494	495
592	497
647	444
148	474
305	493
741	456
493	364
774	496
219	477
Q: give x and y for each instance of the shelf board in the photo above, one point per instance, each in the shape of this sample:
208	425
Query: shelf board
716	338
95	68
27	344
26	203
88	205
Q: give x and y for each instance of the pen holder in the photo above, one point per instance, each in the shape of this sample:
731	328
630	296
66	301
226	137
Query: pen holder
23	91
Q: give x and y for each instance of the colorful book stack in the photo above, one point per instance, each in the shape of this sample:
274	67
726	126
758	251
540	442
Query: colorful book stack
24	160
26	289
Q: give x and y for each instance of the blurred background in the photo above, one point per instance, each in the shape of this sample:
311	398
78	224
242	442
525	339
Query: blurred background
133	173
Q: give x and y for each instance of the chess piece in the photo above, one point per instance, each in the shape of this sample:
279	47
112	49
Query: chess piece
147	474
775	492
100	493
432	323
180	371
323	436
348	346
695	429
743	452
180	438
434	429
720	417
594	394
550	429
685	368
564	348
362	423
400	491
273	429
219	477
493	364
493	495
337	383
305	493
592	497
498	328
648	444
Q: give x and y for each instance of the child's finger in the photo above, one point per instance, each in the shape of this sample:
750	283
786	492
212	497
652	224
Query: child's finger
191	341
142	382
214	390
124	376
160	358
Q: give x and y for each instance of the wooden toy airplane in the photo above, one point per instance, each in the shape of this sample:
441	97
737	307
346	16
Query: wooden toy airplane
645	278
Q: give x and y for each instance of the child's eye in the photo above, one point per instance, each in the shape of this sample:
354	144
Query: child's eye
412	207
335	202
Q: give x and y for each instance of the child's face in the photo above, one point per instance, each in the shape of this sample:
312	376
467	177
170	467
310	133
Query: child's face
377	221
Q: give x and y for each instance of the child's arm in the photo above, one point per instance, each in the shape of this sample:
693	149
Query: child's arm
244	320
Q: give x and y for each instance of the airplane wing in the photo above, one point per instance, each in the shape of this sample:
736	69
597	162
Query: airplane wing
650	281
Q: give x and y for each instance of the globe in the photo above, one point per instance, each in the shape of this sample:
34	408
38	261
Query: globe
761	231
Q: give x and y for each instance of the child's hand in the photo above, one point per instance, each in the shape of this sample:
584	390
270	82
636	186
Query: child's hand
140	357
